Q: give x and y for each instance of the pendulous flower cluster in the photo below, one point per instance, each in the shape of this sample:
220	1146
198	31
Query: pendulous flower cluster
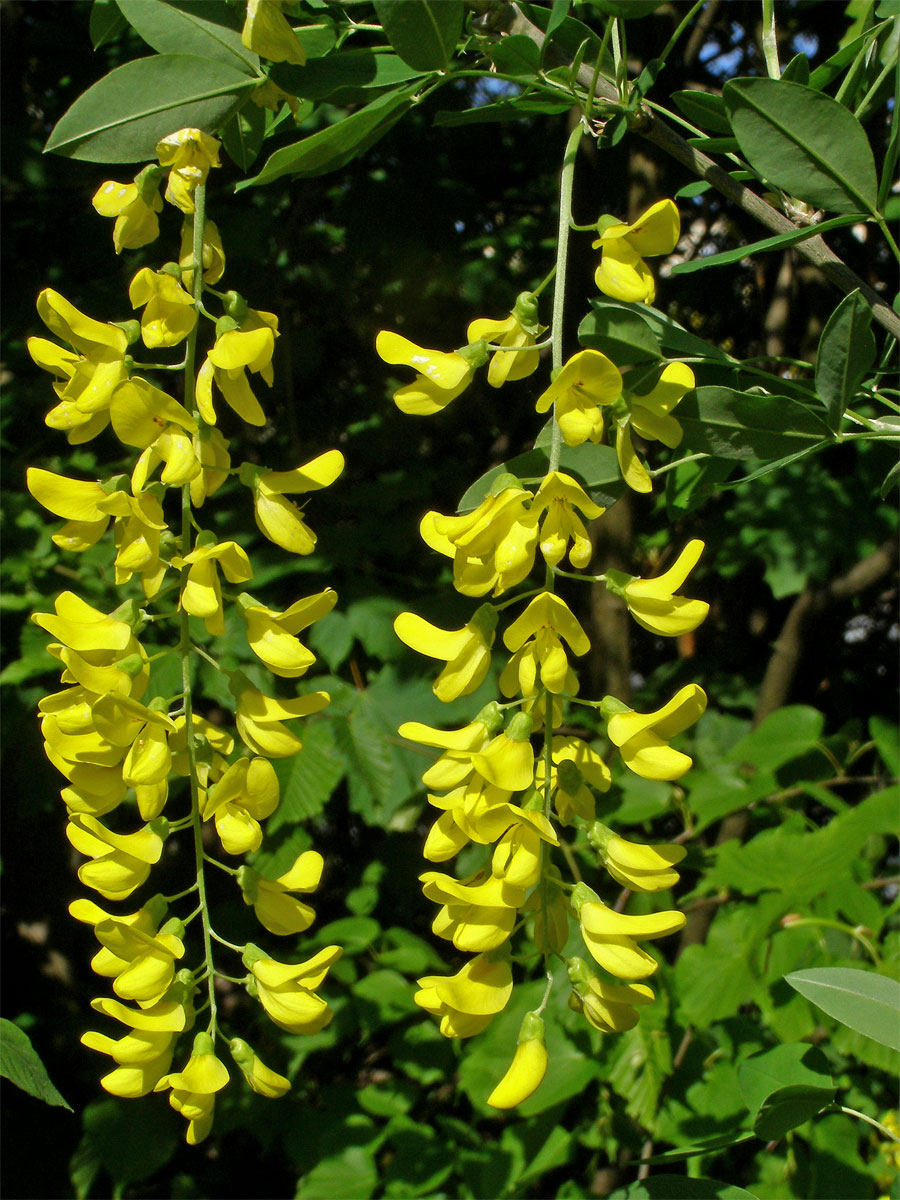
141	765
518	783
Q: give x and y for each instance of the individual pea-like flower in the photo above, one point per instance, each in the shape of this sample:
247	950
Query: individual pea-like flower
517	333
653	603
612	937
458	745
279	519
441	378
468	1001
149	758
260	718
120	862
287	991
517	855
134	206
527	1069
609	1007
213	746
561	495
213	254
201	595
147	960
477	913
622	272
507	761
584	386
493	546
536	639
641	868
466	651
246	794
188	154
273	635
643	738
273	900
650	417
262	1079
269	95
194	1089
241	345
577	771
211	452
142	1056
140	412
267	33
169	313
146	920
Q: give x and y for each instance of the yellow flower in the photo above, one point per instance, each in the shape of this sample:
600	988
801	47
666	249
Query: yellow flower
146	920
652	602
263	1080
120	862
643	738
622	273
477	913
577	772
609	1007
246	794
528	1067
169	314
466	651
468	1001
149	758
279	519
213	254
560	494
143	1057
641	868
518	332
276	908
507	761
287	991
194	1089
535	637
140	412
455	764
211	452
267	33
259	721
442	377
245	345
269	95
134	205
201	595
147	960
612	937
650	417
272	635
584	385
189	154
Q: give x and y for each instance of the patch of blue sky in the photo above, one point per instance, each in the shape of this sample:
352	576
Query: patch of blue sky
489	89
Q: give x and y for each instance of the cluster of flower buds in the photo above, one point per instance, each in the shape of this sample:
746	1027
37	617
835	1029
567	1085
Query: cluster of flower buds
509	781
125	748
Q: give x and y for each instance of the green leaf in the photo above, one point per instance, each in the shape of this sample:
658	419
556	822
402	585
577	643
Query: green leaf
349	69
674	340
383	998
350	1175
335	146
692	483
126	113
778	242
595	467
803	142
423	32
243	136
627	9
705	109
106	22
681	1187
890	481
845	357
713	145
797	70
621	334
739	425
21	1064
784	1087
863	1001
516	55
131	1150
190	29
355	934
788	1108
308	778
721	1142
784	734
503	110
884	735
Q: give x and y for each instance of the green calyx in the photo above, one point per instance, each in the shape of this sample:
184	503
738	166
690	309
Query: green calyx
205	540
532	1029
159	826
617	581
484	620
252	954
132	665
174	926
236	307
611	707
525	310
116	483
476	354
171	268
598	835
503	481
580	974
248	882
131	329
148	182
242	1053
225	325
203	1044
491	717
606	221
249	474
520	728
581	895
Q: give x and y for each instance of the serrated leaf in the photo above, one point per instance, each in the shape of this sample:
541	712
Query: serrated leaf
362	741
861	1000
785	734
745	425
803	142
335	146
423	32
779	242
846	354
308	778
21	1064
180	28
126	113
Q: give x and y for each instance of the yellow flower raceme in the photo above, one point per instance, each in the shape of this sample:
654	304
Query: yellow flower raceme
612	937
263	1080
275	905
260	720
641	868
467	651
468	1001
134	206
279	519
586	384
442	377
622	273
507	761
201	595
653	603
650	417
140	412
517	332
194	1089
536	639
528	1067
288	992
609	1007
267	33
643	738
246	794
272	635
188	154
169	314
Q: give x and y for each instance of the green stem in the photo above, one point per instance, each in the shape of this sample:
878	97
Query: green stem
849	930
685	21
854	1112
559	291
883	226
886	70
769	40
